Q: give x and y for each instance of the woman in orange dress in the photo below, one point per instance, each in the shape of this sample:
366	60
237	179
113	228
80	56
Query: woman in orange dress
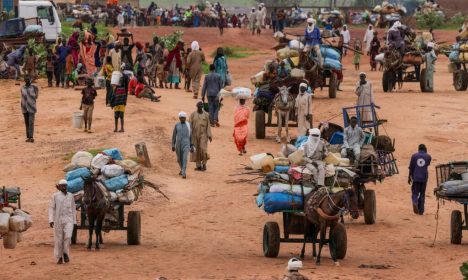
241	126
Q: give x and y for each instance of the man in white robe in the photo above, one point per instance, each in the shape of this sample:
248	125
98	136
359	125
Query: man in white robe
303	110
62	218
365	94
353	140
368	38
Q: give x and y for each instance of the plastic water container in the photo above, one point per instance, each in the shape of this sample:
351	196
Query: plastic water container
257	160
100	82
115	79
77	120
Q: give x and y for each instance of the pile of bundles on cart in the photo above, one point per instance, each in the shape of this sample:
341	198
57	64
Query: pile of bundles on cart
119	179
13	222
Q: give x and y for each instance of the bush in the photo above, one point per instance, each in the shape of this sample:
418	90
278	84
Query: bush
170	41
458	19
429	20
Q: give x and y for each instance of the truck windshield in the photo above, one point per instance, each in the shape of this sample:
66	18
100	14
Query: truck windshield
45	13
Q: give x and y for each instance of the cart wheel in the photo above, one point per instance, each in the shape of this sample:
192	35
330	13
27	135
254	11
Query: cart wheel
332	87
340	238
460	80
388	81
260	124
369	207
134	228
456	227
271	240
422	81
74	234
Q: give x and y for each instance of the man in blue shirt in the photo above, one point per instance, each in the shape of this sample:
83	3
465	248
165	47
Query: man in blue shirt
62	52
211	88
313	39
418	175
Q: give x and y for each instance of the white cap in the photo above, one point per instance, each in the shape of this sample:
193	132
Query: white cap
314	131
63	182
311	20
182	114
294	264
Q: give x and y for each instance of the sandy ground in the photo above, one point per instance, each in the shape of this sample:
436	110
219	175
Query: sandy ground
211	229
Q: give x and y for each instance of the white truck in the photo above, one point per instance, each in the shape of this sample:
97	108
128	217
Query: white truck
46	12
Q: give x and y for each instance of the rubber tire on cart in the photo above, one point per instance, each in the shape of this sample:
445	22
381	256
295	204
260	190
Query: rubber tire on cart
460	80
74	234
271	240
422	80
333	86
260	124
388	81
456	227
341	240
369	207
134	228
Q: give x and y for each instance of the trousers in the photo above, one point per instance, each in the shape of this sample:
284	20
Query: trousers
62	238
418	195
356	151
29	123
88	115
317	168
196	83
213	108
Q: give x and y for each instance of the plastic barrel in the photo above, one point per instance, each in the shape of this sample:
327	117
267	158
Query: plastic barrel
78	120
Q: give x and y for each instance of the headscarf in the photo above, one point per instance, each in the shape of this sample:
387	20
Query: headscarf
302	85
195	46
294	264
313	141
219	53
139	45
182	114
395	26
310	28
431	45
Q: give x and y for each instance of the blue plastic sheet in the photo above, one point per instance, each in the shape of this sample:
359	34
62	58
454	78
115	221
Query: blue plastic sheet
78	173
75	185
330	53
114	153
116	183
281	169
332	63
277	202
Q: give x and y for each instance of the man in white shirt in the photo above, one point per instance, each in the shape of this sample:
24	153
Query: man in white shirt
353	140
346	39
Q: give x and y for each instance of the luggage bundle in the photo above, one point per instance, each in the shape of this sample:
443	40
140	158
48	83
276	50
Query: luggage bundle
119	179
13	222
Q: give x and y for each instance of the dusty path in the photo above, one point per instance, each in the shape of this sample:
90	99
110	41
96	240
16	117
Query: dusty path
211	229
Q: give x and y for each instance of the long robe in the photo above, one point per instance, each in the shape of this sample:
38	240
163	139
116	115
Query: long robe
62	212
87	52
182	141
201	131
194	62
368	39
303	108
430	58
74	47
365	95
241	126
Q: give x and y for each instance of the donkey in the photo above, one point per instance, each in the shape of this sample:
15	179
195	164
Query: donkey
284	103
323	210
95	204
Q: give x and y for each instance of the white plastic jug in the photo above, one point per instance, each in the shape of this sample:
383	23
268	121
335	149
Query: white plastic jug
257	160
115	79
77	120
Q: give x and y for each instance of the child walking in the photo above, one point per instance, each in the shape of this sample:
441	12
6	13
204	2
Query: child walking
87	104
69	70
161	74
107	73
118	102
357	54
50	66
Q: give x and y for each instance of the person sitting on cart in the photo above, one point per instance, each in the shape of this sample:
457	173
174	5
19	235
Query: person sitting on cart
293	270
353	139
418	176
313	39
315	152
395	38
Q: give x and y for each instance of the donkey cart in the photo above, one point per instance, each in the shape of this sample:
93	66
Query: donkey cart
452	186
293	224
397	70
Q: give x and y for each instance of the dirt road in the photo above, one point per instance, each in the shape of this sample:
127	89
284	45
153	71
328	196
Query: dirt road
212	229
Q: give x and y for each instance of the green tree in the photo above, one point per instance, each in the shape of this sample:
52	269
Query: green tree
429	20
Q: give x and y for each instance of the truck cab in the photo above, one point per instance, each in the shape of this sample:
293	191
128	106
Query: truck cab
46	12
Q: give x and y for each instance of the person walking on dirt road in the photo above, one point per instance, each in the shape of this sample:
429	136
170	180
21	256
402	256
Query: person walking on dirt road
62	218
29	95
201	134
182	143
365	93
211	87
418	176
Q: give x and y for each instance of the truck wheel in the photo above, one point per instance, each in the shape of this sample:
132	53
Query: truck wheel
460	80
369	207
456	227
134	228
332	87
74	234
260	124
271	240
340	238
422	81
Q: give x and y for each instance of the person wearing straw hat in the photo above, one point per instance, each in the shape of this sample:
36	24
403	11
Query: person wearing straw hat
182	143
294	265
62	218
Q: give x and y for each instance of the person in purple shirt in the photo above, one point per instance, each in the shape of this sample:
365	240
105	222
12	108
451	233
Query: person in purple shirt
417	178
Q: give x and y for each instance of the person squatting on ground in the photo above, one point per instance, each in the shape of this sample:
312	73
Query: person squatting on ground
313	40
87	104
201	134
211	87
418	176
118	102
29	95
293	270
241	126
353	139
182	143
62	218
315	152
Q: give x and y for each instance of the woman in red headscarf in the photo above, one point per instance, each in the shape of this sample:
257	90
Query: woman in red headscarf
74	47
174	65
241	126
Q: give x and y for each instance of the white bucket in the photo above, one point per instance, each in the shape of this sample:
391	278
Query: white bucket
100	82
257	160
116	76
77	120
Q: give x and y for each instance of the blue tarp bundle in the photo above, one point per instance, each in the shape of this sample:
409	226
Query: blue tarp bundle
78	173
332	63
281	169
328	52
277	202
116	183
75	185
114	153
